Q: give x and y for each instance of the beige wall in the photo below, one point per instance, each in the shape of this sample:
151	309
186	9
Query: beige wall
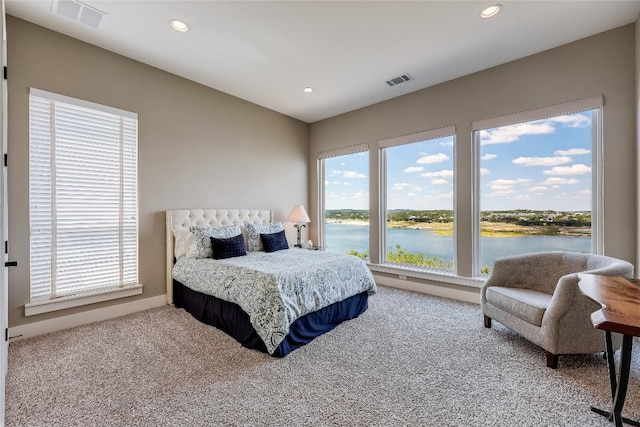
637	73
198	147
602	64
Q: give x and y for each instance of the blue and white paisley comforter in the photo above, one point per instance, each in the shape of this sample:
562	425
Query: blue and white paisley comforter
277	288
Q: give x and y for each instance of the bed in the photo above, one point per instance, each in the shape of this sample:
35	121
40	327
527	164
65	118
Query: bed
275	301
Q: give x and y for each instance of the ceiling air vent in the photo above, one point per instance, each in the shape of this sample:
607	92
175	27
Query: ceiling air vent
79	12
400	79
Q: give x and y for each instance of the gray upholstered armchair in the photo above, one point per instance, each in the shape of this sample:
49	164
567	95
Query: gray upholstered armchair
537	296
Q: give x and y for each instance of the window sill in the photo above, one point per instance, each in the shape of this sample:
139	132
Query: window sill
407	272
45	306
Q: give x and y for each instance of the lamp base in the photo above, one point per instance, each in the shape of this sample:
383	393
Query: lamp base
299	242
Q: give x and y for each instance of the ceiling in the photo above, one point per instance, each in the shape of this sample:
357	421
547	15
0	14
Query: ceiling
266	52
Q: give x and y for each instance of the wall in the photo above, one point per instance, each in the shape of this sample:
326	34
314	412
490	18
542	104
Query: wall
601	64
637	73
198	147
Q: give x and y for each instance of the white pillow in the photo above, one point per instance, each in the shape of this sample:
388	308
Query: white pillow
185	244
254	244
203	237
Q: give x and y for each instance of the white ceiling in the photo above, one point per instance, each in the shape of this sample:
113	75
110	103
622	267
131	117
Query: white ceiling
266	52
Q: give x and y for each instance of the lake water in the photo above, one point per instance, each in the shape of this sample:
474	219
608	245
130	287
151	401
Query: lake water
344	237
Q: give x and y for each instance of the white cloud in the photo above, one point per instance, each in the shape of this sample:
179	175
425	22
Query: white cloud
538	188
511	133
541	161
509	181
501	193
484	171
446	195
439	181
447	143
572	152
360	195
400	186
498	187
522	197
586	192
348	200
572	120
555	181
346	174
505	186
432	158
411	195
445	173
412	169
353	174
505	134
488	156
346	183
577	169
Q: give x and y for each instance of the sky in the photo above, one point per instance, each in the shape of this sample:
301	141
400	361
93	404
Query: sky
539	165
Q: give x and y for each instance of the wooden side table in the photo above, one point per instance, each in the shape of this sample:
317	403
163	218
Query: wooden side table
620	299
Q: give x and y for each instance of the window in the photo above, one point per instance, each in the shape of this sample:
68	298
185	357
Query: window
419	220
346	203
83	202
536	183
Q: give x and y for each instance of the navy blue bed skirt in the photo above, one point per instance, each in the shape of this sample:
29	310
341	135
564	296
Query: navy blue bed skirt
231	319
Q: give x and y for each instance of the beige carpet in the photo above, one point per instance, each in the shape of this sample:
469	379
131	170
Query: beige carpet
410	360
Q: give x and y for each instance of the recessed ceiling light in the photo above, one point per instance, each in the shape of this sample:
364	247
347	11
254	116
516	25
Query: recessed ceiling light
490	11
179	25
307	90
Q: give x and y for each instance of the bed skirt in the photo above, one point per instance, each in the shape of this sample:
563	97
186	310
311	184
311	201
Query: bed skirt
231	319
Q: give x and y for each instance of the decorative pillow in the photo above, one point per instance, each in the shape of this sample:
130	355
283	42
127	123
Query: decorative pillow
203	235
228	248
254	244
184	244
274	241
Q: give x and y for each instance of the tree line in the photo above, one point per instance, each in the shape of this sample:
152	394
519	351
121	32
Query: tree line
522	217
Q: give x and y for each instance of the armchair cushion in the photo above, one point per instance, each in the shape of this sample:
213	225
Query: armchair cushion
527	304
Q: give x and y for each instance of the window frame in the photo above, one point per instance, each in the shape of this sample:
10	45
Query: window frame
321	157
83	295
383	145
595	104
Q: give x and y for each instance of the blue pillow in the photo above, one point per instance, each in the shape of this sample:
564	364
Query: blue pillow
228	248
274	241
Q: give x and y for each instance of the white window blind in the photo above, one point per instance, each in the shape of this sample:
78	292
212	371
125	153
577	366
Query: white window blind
83	201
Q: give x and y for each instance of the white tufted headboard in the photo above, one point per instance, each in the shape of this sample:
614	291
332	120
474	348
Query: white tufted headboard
182	219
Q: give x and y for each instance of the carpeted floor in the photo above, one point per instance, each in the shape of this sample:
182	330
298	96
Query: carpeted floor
410	360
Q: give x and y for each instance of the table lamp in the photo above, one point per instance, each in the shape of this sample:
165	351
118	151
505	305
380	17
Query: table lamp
300	217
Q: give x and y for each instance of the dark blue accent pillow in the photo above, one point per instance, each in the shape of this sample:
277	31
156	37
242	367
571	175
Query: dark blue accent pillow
228	248
274	241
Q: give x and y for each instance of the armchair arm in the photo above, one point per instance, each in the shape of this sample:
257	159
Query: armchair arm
567	295
567	320
568	309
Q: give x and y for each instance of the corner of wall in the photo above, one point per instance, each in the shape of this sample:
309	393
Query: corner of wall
637	74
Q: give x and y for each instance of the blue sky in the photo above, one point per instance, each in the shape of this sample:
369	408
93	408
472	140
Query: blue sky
542	164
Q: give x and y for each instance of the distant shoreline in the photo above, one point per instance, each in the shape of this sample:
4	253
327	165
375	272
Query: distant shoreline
487	229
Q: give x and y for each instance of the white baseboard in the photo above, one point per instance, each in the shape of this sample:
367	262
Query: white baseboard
472	296
64	322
